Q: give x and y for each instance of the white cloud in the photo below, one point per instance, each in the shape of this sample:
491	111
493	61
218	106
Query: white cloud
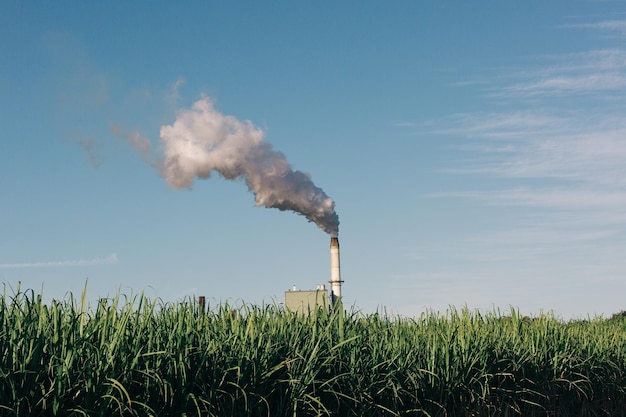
597	71
585	146
551	174
618	26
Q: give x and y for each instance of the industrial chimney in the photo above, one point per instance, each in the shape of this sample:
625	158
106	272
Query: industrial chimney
335	274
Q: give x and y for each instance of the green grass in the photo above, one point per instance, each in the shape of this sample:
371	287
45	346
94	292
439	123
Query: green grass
133	356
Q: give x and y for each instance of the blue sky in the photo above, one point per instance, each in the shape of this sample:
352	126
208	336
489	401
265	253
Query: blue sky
476	153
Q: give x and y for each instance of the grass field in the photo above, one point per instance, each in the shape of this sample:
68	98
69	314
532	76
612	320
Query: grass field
134	356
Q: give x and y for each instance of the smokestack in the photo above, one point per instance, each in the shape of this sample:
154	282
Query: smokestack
335	273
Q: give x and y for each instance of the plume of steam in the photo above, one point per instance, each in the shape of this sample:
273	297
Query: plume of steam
142	144
202	140
89	146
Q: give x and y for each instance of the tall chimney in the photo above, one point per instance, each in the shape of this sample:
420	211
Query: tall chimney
335	274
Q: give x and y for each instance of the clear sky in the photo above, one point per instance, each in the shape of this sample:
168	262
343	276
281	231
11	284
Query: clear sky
475	151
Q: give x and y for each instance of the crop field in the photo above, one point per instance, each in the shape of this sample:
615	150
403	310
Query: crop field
134	356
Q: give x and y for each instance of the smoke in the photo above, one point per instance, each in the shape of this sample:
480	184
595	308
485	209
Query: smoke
89	146
202	141
142	144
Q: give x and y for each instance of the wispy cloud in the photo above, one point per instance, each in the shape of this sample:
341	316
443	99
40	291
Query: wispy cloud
110	259
595	71
552	172
616	26
586	202
582	145
577	146
601	70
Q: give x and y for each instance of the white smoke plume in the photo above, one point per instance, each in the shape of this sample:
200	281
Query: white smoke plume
202	140
142	144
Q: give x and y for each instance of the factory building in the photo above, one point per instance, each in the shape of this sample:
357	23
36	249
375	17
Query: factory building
305	301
